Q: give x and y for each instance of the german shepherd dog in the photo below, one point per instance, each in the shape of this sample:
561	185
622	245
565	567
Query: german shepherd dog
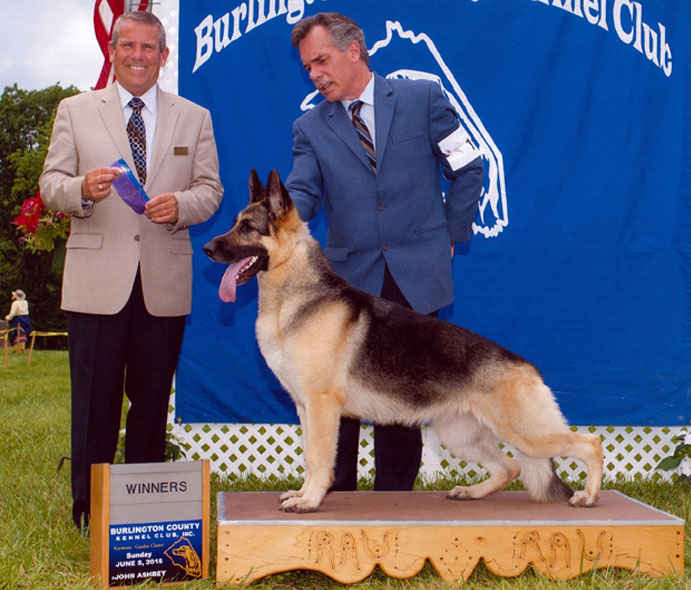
341	352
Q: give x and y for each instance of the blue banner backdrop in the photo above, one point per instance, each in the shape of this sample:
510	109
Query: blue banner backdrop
581	255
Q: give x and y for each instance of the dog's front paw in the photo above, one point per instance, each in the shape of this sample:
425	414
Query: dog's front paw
289	494
462	493
580	499
298	504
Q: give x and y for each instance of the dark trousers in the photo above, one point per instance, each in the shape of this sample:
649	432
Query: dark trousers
397	448
131	350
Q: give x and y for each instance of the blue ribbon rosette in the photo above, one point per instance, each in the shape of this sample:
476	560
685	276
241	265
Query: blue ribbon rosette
129	188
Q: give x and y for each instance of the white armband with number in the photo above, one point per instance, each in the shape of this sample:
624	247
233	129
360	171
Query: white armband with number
458	149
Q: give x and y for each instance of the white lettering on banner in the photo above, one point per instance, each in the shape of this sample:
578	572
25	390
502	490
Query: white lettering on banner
214	35
595	14
628	22
627	17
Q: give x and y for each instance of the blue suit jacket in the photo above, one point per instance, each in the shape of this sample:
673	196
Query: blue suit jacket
397	216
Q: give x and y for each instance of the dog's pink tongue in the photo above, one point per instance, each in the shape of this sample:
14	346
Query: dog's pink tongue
226	290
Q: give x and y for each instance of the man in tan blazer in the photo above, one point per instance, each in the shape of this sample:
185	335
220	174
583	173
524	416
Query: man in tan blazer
127	283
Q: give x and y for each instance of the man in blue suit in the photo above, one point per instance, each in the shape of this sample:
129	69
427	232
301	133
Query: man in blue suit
377	173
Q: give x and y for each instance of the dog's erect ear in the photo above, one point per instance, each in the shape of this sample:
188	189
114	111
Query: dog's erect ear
257	191
279	199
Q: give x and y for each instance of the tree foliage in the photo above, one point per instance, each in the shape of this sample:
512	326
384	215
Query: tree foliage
26	120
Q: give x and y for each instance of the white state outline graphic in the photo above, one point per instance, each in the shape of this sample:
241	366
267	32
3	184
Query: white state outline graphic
494	163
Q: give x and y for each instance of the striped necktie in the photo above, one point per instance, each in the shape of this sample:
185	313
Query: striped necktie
136	132
363	133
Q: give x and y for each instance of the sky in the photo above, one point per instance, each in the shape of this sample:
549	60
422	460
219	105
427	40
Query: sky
44	42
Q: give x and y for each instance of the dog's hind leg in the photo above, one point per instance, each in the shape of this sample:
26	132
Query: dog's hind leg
524	413
467	439
320	432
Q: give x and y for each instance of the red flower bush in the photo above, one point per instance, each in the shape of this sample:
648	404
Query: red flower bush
31	210
41	226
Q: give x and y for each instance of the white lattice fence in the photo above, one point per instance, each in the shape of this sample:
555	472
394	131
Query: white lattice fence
275	450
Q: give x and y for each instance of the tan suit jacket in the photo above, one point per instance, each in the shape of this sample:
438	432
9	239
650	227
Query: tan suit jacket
105	249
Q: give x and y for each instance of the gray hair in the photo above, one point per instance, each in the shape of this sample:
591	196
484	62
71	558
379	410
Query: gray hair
144	17
342	31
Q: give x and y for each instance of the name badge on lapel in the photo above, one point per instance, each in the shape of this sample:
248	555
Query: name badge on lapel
181	150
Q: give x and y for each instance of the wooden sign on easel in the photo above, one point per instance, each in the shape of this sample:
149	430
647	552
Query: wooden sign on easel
149	521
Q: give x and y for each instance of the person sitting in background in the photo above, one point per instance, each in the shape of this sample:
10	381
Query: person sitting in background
20	322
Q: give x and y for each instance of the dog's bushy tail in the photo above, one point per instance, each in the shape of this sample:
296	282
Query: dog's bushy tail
541	480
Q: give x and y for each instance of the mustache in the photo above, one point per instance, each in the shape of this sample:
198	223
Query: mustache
322	83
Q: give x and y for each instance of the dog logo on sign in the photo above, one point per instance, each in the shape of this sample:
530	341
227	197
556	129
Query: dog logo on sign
182	555
406	46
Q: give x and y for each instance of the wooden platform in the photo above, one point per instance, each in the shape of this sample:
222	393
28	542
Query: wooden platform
399	531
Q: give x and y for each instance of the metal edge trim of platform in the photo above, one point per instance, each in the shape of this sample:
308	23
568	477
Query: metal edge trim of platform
679	520
447	523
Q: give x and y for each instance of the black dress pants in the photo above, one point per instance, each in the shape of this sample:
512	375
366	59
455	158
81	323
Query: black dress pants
131	350
397	448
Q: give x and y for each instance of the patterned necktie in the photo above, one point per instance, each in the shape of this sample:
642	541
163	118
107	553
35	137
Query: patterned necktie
136	132
363	133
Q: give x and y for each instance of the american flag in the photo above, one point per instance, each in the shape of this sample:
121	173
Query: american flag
106	13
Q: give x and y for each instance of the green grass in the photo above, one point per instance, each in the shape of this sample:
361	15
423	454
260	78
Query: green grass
41	549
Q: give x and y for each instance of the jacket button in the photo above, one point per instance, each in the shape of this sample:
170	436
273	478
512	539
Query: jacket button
380	207
385	247
137	238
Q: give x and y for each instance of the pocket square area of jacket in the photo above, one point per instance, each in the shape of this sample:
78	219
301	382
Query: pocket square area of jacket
181	150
